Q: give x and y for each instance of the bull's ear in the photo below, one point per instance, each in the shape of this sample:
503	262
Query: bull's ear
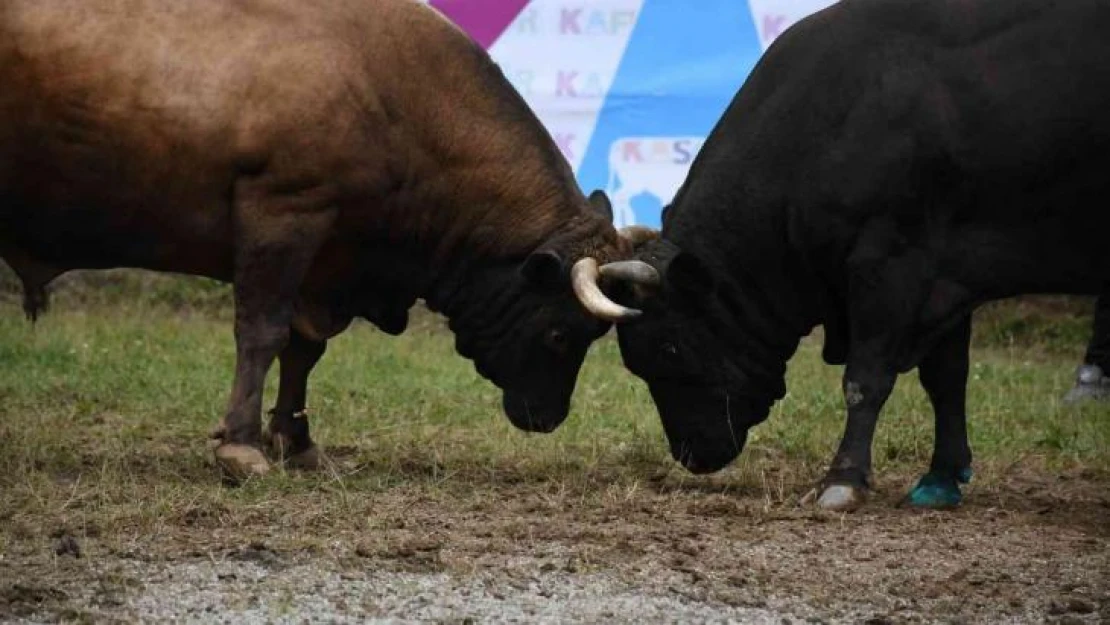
544	268
601	204
688	275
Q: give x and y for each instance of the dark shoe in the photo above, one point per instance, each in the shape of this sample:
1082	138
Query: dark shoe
1090	383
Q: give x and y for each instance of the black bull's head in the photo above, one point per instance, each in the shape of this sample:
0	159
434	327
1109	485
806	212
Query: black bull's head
706	399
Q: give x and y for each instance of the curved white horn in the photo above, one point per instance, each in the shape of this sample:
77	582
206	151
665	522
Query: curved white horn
583	277
634	271
637	235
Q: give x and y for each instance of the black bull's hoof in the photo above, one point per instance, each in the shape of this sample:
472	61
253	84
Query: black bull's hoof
842	498
836	497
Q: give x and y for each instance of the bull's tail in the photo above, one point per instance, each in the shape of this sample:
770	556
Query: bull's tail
34	278
35	301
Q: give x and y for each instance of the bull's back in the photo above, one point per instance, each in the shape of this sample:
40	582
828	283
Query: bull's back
980	126
124	125
116	123
1000	103
984	130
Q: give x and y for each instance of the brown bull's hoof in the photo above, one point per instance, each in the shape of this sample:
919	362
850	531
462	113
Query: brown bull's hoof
280	446
310	459
240	462
218	431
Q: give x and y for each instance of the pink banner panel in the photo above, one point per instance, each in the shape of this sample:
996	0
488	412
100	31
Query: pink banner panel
484	20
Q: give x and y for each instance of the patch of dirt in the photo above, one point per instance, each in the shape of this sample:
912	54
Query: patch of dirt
26	598
1034	549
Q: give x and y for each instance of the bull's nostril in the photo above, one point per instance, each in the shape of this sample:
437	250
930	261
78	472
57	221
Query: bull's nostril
528	414
690	462
685	456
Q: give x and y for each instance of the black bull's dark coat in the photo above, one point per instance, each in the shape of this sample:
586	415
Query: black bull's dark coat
333	159
887	167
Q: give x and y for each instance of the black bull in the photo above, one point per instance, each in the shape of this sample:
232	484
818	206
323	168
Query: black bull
332	160
887	167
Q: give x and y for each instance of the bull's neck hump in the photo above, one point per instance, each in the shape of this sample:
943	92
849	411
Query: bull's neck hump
481	177
762	281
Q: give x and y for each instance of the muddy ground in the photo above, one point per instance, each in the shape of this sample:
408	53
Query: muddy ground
1032	548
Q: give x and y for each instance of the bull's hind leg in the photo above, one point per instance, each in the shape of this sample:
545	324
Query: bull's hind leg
276	240
289	432
944	375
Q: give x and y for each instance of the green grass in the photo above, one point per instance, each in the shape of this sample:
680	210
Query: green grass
105	405
113	377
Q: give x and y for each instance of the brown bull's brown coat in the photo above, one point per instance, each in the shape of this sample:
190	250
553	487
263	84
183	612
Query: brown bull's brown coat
346	155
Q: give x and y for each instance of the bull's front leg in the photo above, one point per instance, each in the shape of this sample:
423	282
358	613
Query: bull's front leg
944	376
867	385
885	290
276	239
289	432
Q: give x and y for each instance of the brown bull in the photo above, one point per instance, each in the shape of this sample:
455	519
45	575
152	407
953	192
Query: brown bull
332	159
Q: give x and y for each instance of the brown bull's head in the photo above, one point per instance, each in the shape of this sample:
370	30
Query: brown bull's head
527	325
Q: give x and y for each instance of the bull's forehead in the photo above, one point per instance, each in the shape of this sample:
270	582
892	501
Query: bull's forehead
657	253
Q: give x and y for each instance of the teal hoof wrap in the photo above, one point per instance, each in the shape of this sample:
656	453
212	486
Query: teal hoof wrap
939	491
964	476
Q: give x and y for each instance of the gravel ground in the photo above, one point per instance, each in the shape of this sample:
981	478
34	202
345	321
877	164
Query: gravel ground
239	592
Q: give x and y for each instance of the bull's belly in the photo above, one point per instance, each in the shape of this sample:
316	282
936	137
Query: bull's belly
1068	259
89	179
91	195
85	236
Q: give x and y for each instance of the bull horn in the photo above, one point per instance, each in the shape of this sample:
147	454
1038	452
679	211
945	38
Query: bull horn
583	277
638	235
632	271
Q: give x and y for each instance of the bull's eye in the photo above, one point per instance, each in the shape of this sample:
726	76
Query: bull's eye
556	339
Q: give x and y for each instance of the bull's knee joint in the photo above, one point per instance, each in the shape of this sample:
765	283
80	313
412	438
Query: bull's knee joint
853	394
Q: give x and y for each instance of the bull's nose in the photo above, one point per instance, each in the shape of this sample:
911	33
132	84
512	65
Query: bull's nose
700	467
694	466
685	457
700	464
541	427
532	417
